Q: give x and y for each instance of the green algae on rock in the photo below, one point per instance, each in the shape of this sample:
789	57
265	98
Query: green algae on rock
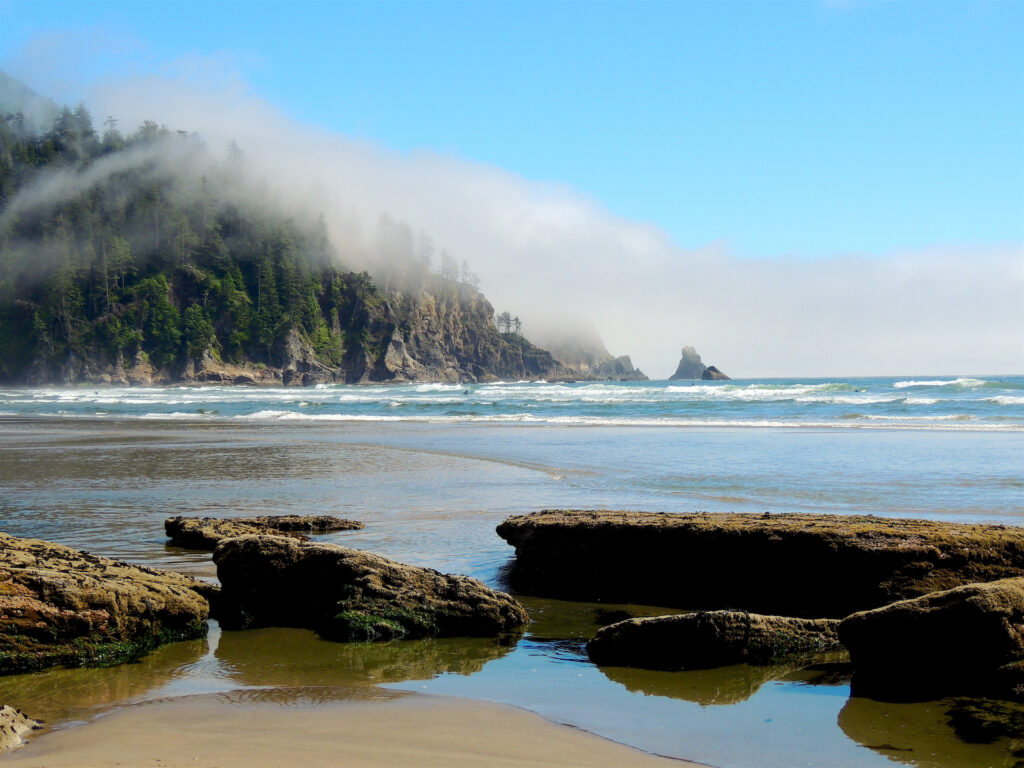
804	565
60	606
967	640
710	639
346	594
207	532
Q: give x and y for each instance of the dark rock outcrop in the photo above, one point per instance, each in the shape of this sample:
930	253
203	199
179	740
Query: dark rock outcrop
691	367
347	594
59	606
713	374
710	639
786	564
207	532
966	640
14	724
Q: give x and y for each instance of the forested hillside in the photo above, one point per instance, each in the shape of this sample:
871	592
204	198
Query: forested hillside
143	258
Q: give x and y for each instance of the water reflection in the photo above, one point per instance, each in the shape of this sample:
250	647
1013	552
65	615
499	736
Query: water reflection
67	695
296	657
707	687
950	733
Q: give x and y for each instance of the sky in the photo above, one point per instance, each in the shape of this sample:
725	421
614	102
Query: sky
805	188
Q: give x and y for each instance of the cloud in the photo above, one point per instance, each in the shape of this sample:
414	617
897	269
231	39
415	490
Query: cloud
550	254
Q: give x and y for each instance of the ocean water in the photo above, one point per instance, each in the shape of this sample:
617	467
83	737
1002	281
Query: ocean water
432	469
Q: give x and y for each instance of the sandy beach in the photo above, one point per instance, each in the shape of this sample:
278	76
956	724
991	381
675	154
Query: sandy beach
408	730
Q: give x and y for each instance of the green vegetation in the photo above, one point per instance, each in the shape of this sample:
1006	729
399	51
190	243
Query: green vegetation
117	247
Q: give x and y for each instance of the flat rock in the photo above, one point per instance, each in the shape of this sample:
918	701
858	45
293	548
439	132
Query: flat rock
710	639
348	594
14	724
207	532
60	606
801	565
966	640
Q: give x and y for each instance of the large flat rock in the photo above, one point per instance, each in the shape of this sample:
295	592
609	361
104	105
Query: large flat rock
348	594
966	640
783	564
208	532
708	639
59	606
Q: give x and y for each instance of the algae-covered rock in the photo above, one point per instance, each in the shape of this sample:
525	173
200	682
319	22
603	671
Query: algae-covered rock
347	594
967	640
14	724
207	532
782	564
710	639
62	606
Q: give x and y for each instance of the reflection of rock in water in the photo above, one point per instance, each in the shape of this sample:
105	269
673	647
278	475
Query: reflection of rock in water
722	685
950	733
60	695
296	657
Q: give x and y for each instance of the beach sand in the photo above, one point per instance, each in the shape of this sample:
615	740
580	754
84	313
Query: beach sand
404	730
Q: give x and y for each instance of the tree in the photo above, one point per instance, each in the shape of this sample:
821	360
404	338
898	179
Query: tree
449	266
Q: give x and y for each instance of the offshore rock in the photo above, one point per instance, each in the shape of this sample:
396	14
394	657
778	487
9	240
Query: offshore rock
347	594
713	374
208	532
710	639
59	606
784	564
690	366
14	724
966	640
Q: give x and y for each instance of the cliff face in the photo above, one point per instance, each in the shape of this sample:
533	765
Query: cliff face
443	332
584	353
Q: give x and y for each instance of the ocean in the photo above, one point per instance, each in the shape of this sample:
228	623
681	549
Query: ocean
433	468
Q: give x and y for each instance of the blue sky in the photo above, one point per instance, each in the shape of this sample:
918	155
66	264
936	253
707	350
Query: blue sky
781	128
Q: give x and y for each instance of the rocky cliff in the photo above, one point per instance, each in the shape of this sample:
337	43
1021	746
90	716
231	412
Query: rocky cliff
583	352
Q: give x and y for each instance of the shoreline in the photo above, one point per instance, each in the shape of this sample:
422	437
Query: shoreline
258	729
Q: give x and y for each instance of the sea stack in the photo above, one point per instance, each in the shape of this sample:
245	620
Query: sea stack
691	367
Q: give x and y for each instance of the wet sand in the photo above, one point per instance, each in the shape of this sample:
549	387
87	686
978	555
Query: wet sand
410	730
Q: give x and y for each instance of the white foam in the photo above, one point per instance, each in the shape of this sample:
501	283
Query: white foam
1006	400
965	383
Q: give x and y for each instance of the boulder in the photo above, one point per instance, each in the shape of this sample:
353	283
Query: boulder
347	594
966	640
784	564
207	532
713	374
13	727
710	639
59	606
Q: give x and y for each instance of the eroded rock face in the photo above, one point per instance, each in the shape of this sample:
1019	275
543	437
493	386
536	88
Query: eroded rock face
59	606
14	724
347	594
710	639
969	640
786	565
690	365
207	532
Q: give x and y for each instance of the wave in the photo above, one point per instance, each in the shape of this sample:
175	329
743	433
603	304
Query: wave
1006	400
953	422
962	383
